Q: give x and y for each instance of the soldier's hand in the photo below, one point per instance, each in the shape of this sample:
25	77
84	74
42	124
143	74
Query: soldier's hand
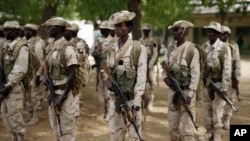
37	81
235	84
59	102
5	91
167	81
188	100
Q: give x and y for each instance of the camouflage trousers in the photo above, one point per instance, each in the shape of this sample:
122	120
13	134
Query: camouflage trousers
103	95
148	97
11	110
228	111
180	124
119	124
212	112
66	129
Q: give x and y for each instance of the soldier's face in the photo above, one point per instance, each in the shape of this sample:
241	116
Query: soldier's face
105	32
68	34
212	34
10	34
178	33
28	33
224	36
146	32
52	31
121	30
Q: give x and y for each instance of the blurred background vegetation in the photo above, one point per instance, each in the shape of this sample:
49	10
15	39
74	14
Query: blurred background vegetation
160	13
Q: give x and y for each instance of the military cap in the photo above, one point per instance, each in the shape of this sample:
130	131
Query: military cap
31	26
214	25
225	29
121	16
181	23
56	21
73	27
106	25
146	26
11	24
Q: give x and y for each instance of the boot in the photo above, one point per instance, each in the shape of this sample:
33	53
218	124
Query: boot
226	122
13	137
217	134
20	137
33	121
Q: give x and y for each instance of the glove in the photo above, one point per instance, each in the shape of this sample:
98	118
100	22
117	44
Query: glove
37	81
5	91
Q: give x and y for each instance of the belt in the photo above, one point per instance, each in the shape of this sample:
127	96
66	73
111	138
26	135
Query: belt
215	80
184	87
59	87
128	96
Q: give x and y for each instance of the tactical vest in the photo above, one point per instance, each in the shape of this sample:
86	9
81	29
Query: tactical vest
182	72
127	78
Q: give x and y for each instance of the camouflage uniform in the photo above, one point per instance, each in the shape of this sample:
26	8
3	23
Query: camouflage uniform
15	71
218	69
151	45
102	45
34	99
119	125
70	107
187	73
236	74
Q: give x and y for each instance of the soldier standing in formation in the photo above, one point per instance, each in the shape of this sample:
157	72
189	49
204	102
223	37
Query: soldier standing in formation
187	73
218	69
63	77
99	53
37	46
15	63
236	74
129	68
150	43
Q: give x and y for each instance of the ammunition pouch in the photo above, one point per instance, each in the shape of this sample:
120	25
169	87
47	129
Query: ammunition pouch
126	80
57	70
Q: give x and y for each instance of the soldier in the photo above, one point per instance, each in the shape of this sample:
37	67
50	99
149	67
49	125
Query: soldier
99	52
61	81
218	69
15	63
150	43
35	97
236	74
187	73
129	66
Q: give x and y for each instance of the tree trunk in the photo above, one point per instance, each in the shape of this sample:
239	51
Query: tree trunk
134	6
49	11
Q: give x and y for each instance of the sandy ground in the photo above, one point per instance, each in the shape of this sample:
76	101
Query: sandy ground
91	128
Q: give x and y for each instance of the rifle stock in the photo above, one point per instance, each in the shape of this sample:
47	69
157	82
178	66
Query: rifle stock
179	93
50	86
223	96
117	90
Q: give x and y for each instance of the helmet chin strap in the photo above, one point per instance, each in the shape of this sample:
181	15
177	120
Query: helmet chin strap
181	34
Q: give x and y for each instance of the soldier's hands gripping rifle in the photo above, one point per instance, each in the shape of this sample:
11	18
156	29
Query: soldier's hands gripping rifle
223	95
52	96
117	90
179	93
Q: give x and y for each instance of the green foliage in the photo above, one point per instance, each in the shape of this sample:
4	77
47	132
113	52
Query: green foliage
21	10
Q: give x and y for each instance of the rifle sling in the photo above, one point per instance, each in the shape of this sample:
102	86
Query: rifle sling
124	48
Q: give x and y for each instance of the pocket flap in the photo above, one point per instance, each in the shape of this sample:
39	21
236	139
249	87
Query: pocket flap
131	74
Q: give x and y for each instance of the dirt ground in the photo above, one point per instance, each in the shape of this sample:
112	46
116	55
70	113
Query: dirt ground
91	128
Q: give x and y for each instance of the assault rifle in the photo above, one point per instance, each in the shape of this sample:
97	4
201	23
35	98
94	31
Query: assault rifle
222	94
118	92
179	92
52	96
